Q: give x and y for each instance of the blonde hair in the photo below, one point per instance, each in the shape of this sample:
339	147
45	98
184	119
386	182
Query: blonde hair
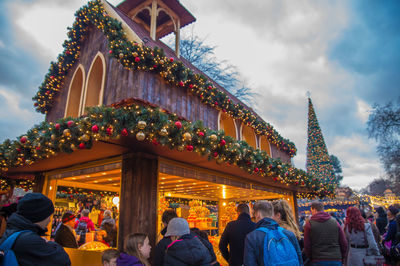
287	218
132	243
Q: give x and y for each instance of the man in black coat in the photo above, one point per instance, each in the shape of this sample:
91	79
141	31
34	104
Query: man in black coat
159	250
234	235
65	235
33	214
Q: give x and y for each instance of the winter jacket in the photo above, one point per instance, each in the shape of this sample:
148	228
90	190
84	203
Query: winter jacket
357	254
234	236
159	250
90	225
391	233
128	260
65	237
187	250
107	219
254	243
381	223
30	248
334	249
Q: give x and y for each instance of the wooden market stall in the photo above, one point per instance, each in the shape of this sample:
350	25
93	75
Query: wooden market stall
121	132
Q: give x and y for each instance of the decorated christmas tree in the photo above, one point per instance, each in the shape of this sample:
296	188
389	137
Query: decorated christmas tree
318	160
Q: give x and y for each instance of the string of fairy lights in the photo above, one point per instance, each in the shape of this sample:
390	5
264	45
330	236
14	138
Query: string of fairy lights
137	57
158	127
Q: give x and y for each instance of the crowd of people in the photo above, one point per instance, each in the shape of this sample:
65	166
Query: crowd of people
269	235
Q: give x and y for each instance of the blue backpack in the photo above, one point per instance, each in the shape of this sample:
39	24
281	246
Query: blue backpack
278	250
7	256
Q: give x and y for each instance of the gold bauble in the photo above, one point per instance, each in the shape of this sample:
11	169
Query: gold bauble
85	137
28	161
140	136
181	148
219	160
213	137
162	62
142	124
187	136
121	55
66	132
135	54
73	147
163	131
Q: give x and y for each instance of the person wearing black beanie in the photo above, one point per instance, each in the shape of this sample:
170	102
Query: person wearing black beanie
33	214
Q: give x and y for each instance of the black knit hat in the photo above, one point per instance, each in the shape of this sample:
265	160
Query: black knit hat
35	207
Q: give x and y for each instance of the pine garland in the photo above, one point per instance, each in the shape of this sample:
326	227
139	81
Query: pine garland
136	57
158	127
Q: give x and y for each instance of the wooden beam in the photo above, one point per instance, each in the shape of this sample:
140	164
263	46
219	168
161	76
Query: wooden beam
153	17
87	186
178	38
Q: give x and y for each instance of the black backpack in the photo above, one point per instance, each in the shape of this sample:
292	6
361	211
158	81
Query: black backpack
81	230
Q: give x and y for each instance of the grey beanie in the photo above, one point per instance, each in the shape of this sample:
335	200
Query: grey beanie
177	227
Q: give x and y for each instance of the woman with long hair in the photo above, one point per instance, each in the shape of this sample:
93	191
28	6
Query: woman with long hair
284	216
137	251
359	236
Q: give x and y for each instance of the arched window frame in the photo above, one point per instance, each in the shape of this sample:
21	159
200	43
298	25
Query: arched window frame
80	67
242	126
234	123
100	101
269	152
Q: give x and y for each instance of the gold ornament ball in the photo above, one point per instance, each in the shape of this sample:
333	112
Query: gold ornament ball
85	137
140	136
161	62
142	124
121	55
163	132
66	132
213	137
73	147
187	136
181	148
135	54
219	160
53	137
28	161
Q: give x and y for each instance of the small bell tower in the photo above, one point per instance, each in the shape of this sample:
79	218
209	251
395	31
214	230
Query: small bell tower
159	17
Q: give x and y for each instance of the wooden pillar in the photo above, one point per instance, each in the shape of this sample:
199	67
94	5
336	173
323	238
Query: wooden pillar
39	183
138	199
153	21
178	38
296	208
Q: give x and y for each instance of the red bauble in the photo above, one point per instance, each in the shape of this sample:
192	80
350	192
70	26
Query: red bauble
57	126
189	147
216	103
223	110
155	66
248	163
37	148
82	145
47	92
210	87
23	139
215	154
191	86
109	131
222	142
178	124
67	52
171	59
110	52
275	179
200	133
256	170
137	59
95	129
70	123
52	77
155	142
124	132
35	104
181	83
18	150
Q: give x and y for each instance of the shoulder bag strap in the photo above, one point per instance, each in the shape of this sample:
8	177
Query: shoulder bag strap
9	242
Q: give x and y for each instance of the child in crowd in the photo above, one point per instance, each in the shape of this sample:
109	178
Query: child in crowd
137	251
110	257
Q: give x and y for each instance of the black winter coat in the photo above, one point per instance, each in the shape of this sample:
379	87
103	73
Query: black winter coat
381	223
65	237
30	248
187	251
234	236
159	250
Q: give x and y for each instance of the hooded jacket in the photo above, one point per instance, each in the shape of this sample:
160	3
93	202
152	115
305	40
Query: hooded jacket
128	260
234	236
159	250
254	243
30	248
87	220
333	250
186	251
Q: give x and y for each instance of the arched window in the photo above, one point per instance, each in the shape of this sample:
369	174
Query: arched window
75	92
95	83
264	145
249	136
227	124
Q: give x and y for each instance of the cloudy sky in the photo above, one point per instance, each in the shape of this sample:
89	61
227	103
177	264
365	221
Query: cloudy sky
346	53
